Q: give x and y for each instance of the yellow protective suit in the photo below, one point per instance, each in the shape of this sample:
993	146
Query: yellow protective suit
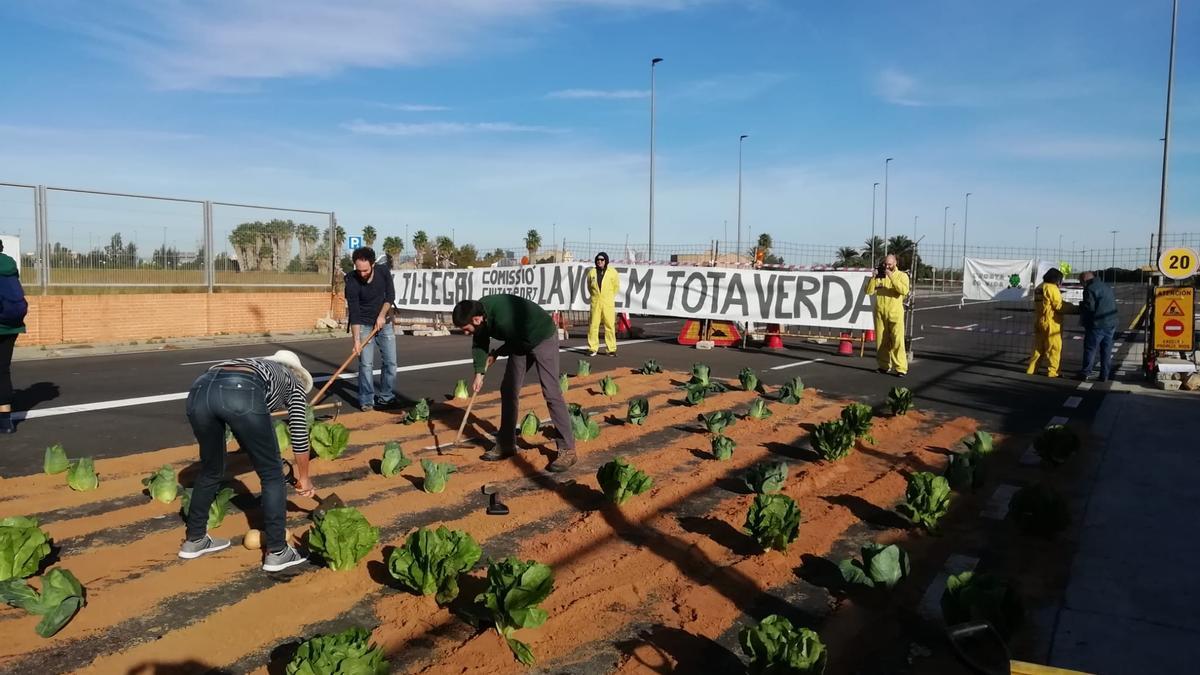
889	293
604	309
1047	329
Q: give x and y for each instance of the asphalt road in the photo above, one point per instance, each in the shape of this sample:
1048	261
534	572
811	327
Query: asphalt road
969	361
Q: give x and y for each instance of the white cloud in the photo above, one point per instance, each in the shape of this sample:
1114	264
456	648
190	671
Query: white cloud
897	87
443	128
225	44
615	94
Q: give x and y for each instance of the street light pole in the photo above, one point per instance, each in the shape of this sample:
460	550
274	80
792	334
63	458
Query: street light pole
650	253
945	217
739	213
1036	229
886	162
1162	194
912	263
871	244
1114	256
966	213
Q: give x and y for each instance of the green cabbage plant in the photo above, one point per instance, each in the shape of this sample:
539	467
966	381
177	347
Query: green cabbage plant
773	521
650	367
858	418
22	546
748	379
621	480
216	511
418	413
342	537
792	391
530	425
722	446
759	410
55	460
881	566
582	425
832	440
394	460
971	596
82	477
965	471
639	410
695	394
436	476
282	437
926	499
515	588
461	391
162	485
60	599
349	652
430	561
775	647
563	384
328	440
1056	444
900	400
584	369
608	386
766	477
717	422
980	443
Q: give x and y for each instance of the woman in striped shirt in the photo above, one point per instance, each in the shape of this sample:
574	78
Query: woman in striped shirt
240	393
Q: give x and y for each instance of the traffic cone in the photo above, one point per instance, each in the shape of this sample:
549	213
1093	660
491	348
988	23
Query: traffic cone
774	339
846	346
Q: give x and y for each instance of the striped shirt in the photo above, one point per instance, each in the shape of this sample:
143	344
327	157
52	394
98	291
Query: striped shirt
284	391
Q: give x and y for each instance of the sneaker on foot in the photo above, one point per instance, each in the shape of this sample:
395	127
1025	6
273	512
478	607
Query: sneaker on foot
195	549
882	371
592	353
288	557
498	452
366	408
900	374
565	460
612	353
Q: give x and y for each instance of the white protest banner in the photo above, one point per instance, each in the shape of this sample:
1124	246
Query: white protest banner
998	279
809	298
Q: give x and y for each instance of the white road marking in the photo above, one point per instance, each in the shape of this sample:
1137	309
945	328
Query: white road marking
663	323
179	396
967	304
1006	318
1084	386
797	363
1073	402
1057	421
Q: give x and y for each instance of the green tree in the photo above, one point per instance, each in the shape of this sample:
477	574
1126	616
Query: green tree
466	256
443	250
533	241
847	256
872	248
420	242
369	235
392	246
902	247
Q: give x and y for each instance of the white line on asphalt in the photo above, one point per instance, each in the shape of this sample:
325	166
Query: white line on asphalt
797	363
966	304
162	398
1057	421
1073	402
1084	386
662	323
1006	318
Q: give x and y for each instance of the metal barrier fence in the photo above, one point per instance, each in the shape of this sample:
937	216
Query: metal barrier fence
73	239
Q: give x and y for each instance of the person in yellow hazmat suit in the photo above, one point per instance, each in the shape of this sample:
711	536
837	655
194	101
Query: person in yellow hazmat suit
1047	323
604	286
889	286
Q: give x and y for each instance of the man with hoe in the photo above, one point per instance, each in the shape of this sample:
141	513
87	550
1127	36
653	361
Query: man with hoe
369	298
890	287
603	285
530	342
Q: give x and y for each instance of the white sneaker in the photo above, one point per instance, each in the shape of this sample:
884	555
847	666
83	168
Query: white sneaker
288	557
591	353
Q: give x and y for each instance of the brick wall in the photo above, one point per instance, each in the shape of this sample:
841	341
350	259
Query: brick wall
64	319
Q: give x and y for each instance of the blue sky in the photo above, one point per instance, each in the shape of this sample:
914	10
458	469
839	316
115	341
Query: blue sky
490	117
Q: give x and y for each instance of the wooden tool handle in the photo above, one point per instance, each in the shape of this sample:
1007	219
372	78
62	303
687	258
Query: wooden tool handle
463	425
333	378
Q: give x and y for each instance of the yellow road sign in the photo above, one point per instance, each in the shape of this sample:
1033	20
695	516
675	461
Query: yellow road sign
1178	263
1174	325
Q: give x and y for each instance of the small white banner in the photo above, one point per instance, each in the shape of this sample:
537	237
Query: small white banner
791	297
999	279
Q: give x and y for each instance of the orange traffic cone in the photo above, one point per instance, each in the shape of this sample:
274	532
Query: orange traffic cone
846	346
774	339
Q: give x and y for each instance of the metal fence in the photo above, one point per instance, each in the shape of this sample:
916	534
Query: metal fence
81	240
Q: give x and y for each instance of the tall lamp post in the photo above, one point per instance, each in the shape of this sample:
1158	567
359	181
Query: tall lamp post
945	217
1036	230
966	213
886	162
650	253
1166	140
1114	256
739	234
871	244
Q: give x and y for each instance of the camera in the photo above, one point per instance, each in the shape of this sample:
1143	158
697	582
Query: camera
881	271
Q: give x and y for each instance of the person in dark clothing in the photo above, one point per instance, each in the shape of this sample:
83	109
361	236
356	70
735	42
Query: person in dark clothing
1098	314
370	295
13	308
530	341
239	394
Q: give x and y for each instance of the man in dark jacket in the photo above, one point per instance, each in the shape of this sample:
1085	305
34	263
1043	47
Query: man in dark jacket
12	323
369	298
530	343
1098	314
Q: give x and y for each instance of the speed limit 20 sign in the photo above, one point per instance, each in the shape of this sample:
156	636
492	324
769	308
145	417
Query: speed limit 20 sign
1178	263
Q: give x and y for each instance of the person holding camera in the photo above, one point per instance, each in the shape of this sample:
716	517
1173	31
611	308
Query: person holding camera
889	286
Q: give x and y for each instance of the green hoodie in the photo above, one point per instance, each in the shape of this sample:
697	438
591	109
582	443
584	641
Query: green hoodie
10	286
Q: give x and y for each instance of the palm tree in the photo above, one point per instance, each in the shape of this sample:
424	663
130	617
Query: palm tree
847	256
392	246
443	250
765	243
533	241
873	250
369	235
901	247
420	242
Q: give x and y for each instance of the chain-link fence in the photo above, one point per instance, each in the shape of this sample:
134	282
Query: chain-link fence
72	240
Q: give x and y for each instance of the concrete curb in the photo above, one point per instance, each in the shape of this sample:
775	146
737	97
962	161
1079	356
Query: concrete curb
180	344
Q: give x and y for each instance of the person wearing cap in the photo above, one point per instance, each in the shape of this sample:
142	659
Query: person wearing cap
603	285
240	394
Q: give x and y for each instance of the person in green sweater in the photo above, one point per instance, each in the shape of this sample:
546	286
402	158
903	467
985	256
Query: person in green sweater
530	341
13	308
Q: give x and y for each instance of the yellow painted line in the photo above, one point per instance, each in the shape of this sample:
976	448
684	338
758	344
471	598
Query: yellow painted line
1137	318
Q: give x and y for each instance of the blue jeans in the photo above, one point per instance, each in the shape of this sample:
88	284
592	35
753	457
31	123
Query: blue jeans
239	400
1097	339
385	340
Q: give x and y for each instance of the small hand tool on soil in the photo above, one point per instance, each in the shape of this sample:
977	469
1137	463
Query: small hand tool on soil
495	507
331	501
978	645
